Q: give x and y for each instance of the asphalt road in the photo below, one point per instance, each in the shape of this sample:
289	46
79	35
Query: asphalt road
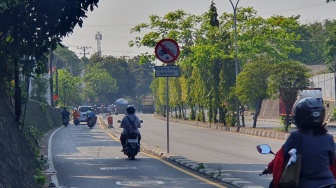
229	152
87	158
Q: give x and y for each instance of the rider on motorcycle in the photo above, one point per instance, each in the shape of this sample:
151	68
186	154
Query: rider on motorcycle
91	115
125	124
75	113
65	113
316	146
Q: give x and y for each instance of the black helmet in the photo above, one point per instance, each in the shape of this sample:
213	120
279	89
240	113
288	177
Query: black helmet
130	109
308	111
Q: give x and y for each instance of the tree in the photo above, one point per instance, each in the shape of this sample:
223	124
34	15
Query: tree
99	85
30	28
286	80
69	91
68	59
330	49
39	89
251	87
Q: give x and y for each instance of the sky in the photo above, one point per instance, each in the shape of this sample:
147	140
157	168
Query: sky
114	19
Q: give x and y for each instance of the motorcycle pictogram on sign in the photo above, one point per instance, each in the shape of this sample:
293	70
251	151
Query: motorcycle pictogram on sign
167	50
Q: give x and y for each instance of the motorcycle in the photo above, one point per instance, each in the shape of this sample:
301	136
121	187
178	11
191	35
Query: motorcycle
76	121
132	147
264	149
65	121
91	122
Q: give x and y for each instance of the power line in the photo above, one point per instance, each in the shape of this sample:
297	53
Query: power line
84	48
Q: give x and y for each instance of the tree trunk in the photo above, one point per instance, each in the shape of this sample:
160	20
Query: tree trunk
255	117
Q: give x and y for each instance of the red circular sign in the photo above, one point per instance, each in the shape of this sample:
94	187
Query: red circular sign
167	50
55	97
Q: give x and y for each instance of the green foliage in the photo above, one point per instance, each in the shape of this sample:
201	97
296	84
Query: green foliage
68	88
66	59
132	77
213	15
333	115
40	179
99	84
286	80
200	166
39	89
252	81
29	28
230	119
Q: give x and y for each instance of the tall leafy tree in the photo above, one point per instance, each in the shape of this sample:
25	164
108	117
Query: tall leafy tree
286	80
69	89
64	58
99	85
30	28
330	46
252	85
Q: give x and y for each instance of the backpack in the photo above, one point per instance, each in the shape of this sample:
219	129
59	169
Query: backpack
132	125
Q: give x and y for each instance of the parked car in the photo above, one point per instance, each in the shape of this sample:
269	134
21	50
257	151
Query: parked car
82	110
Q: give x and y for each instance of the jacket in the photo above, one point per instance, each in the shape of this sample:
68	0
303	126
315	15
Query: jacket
275	167
125	123
75	114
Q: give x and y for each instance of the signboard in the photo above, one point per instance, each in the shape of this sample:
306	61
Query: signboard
167	50
167	71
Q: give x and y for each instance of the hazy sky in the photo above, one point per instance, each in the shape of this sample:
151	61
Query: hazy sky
115	18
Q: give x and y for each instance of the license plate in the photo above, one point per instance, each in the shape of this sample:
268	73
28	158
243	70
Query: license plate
132	140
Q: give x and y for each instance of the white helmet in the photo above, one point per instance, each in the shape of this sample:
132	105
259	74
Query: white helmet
75	108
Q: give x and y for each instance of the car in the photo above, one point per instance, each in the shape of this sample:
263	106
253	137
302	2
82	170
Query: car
82	110
109	108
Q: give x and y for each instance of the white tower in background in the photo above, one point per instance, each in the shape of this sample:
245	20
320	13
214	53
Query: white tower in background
99	38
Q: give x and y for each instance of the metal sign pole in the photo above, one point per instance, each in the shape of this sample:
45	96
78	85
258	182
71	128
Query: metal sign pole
167	108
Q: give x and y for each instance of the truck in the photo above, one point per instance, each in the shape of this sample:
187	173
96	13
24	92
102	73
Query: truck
309	92
147	104
120	106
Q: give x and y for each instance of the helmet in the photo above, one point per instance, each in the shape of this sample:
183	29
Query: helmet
130	109
75	108
91	109
64	108
309	112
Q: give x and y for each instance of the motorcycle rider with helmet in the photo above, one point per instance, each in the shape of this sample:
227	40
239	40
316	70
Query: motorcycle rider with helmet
65	113
91	115
75	113
125	124
316	147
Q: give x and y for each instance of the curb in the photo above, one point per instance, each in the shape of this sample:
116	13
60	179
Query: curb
197	167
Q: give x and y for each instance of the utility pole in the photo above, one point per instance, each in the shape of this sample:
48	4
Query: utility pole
84	48
234	7
56	102
51	77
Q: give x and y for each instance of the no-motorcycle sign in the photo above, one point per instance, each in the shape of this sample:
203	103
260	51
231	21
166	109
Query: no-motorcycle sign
167	50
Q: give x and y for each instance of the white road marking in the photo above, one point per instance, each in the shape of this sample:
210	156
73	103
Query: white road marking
118	168
102	158
50	160
139	183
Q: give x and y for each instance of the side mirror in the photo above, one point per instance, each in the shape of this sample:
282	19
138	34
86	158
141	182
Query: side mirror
264	149
141	121
118	121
